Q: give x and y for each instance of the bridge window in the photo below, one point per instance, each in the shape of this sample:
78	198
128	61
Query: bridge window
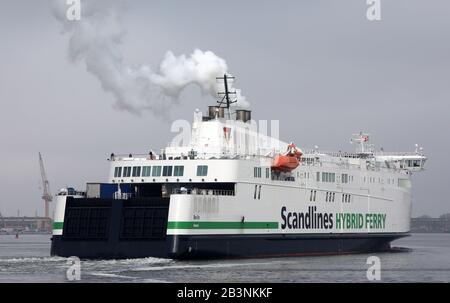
146	171
136	171
117	172
156	171
167	171
413	163
202	170
178	171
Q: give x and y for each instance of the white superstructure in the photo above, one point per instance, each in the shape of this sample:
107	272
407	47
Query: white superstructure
376	186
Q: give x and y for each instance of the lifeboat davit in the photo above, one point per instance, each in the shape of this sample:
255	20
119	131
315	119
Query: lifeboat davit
287	161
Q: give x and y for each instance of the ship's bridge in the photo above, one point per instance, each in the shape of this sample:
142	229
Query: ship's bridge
413	162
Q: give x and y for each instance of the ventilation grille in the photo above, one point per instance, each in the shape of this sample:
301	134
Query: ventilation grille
144	222
86	223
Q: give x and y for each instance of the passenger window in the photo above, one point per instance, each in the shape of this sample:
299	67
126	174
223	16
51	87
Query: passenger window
156	171
136	171
146	171
202	170
118	172
127	171
167	171
178	171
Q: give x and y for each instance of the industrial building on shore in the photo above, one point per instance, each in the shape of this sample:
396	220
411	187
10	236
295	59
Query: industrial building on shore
427	224
14	225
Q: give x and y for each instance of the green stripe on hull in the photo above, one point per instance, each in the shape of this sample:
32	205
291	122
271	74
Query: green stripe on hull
221	225
58	225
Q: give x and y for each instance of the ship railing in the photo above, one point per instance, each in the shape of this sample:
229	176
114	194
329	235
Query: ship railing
122	196
203	192
72	193
309	153
340	154
398	154
131	157
200	155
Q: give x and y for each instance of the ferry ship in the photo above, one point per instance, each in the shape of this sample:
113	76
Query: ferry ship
232	191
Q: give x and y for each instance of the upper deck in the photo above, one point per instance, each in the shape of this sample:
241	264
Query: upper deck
226	146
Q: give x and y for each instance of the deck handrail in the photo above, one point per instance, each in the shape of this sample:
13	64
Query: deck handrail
203	192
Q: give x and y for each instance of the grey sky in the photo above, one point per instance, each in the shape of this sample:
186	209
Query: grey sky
319	67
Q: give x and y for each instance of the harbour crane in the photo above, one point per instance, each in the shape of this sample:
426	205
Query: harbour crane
46	193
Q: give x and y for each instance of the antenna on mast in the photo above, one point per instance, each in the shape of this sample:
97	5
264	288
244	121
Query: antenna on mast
226	101
361	139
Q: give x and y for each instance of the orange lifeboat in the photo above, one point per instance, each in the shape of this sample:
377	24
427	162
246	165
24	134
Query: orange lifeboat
285	163
289	160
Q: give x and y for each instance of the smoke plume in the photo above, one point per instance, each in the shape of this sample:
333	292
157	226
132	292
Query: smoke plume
95	41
